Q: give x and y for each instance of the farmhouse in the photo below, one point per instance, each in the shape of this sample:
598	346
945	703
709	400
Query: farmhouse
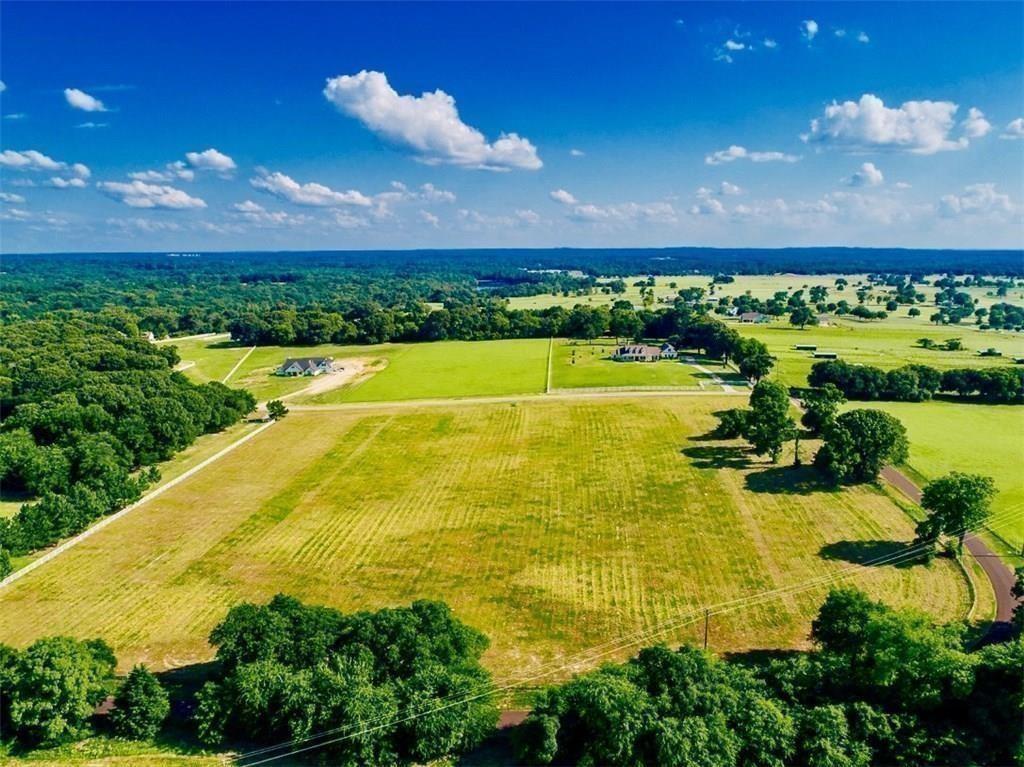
668	352
753	317
639	353
306	366
826	355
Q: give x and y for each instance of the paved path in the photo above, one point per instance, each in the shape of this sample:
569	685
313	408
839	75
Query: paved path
1001	576
88	532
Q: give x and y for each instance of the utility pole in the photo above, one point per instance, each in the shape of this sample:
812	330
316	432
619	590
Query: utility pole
707	616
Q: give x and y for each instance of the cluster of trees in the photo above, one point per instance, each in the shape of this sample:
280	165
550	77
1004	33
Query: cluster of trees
288	671
856	445
684	325
87	404
51	689
1006	317
880	687
916	383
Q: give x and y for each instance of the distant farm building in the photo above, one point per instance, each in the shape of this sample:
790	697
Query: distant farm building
306	366
826	355
639	353
990	352
668	352
806	347
753	318
825	320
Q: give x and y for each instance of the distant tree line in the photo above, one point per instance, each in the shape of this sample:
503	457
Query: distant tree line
881	686
916	383
87	405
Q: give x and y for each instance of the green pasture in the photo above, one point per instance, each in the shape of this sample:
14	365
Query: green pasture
981	439
879	344
579	364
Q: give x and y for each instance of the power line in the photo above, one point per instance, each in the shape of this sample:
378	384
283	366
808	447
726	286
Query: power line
619	643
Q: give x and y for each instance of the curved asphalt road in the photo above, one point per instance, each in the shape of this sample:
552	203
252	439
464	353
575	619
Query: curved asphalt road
1001	576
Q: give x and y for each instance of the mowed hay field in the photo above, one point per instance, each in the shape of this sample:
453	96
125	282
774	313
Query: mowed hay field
553	526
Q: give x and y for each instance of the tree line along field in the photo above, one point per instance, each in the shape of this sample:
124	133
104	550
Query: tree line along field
443	369
968	437
552	526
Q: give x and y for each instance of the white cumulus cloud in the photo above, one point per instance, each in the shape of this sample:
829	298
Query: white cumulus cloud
1014	129
868	175
15	199
312	193
66	183
81	100
429	124
210	159
809	29
171	172
976	126
138	194
977	200
735	152
32	160
564	197
920	127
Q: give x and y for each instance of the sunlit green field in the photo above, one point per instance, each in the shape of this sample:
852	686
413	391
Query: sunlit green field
880	344
589	365
552	526
983	439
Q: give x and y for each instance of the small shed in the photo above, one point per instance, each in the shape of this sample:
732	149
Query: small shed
826	355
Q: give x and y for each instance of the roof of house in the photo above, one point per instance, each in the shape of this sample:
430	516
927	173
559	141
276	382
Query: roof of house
639	351
751	315
305	363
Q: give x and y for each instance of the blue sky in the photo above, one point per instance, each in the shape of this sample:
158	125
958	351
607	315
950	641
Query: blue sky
248	126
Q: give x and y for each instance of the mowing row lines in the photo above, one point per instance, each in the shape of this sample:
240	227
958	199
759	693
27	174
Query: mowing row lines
692	616
57	551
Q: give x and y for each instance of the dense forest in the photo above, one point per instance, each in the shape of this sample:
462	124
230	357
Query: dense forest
88	404
917	383
181	294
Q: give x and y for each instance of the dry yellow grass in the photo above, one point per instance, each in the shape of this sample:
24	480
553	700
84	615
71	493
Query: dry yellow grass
551	526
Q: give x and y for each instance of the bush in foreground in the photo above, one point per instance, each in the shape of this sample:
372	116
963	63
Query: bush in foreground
141	706
290	671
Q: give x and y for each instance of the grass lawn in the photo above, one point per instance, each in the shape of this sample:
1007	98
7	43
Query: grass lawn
552	526
982	439
880	344
451	369
212	358
578	364
406	371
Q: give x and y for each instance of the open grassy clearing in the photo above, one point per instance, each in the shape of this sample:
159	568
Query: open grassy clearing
984	439
878	344
212	358
451	369
552	526
578	364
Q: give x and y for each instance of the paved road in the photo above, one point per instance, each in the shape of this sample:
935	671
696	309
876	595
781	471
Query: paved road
1001	576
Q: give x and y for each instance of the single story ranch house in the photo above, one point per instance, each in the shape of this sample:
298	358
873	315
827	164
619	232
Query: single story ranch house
643	353
306	366
754	317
